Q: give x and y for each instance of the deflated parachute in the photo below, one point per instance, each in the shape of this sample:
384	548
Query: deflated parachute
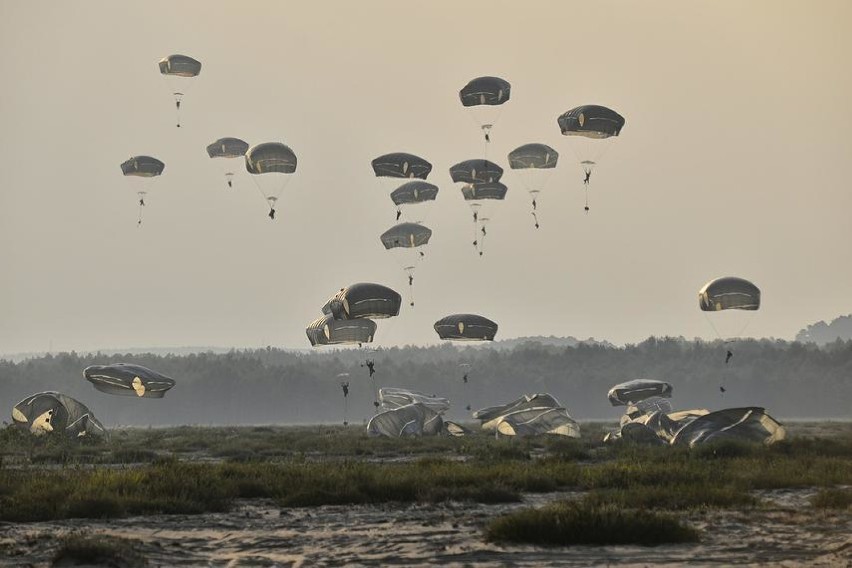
391	398
624	394
363	300
529	415
127	379
466	327
412	420
53	412
750	424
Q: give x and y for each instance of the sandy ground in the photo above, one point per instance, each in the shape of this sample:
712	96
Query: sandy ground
785	532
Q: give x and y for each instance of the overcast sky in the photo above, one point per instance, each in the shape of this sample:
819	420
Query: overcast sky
735	160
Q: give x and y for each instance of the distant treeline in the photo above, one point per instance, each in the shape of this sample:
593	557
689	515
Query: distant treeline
791	380
823	333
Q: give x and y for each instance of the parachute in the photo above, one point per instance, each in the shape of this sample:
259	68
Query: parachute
363	300
177	68
751	424
411	420
271	164
391	398
139	171
228	148
408	236
466	327
413	193
484	97
625	394
53	412
482	183
126	379
533	163
734	299
590	128
529	415
326	330
401	165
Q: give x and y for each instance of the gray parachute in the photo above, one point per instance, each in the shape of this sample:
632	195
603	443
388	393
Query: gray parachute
227	148
391	398
751	424
625	394
363	300
483	97
329	331
56	413
142	166
127	379
476	171
411	420
180	66
414	192
729	293
401	165
271	164
406	235
529	415
591	121
533	156
485	190
466	327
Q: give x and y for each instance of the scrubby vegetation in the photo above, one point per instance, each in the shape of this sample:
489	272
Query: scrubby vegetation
97	550
839	498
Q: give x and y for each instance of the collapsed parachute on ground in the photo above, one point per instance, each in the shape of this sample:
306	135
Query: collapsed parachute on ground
411	420
127	379
363	300
625	394
53	412
750	424
529	415
466	327
729	293
176	69
329	331
484	96
401	165
391	398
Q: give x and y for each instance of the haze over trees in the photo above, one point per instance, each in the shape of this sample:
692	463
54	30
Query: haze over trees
791	380
823	333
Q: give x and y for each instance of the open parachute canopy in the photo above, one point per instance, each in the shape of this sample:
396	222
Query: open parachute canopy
329	331
476	171
414	192
53	412
466	327
625	394
406	235
227	148
270	157
484	190
180	66
127	379
485	91
401	165
142	166
729	293
363	300
591	121
533	156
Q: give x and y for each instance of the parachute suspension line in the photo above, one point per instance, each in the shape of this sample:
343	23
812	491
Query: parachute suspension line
141	195
409	270
178	98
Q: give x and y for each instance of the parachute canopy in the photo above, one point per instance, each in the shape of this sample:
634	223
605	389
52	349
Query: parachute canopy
624	394
485	91
414	192
127	379
180	66
476	171
47	412
591	121
227	148
406	235
363	300
750	424
729	293
410	420
401	165
533	156
486	190
391	398
270	157
142	166
529	415
466	327
329	331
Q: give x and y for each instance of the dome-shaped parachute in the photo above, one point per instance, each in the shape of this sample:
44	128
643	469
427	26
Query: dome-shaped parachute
126	379
625	394
533	163
485	190
729	293
484	96
228	149
481	179
176	69
466	327
271	164
413	193
140	170
53	412
590	128
408	236
329	331
476	171
364	300
401	165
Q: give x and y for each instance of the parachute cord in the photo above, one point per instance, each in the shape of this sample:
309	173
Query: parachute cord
139	218
587	198
716	331
345	410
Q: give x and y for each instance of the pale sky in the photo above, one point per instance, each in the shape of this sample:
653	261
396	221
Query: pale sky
735	160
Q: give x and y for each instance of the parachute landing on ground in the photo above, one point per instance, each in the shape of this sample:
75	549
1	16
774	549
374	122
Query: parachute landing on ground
125	379
52	412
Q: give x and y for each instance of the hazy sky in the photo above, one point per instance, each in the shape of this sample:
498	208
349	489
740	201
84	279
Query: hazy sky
735	160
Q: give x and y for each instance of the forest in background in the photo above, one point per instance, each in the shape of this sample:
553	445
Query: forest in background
791	380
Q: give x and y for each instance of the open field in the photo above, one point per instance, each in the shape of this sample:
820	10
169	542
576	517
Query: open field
327	494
